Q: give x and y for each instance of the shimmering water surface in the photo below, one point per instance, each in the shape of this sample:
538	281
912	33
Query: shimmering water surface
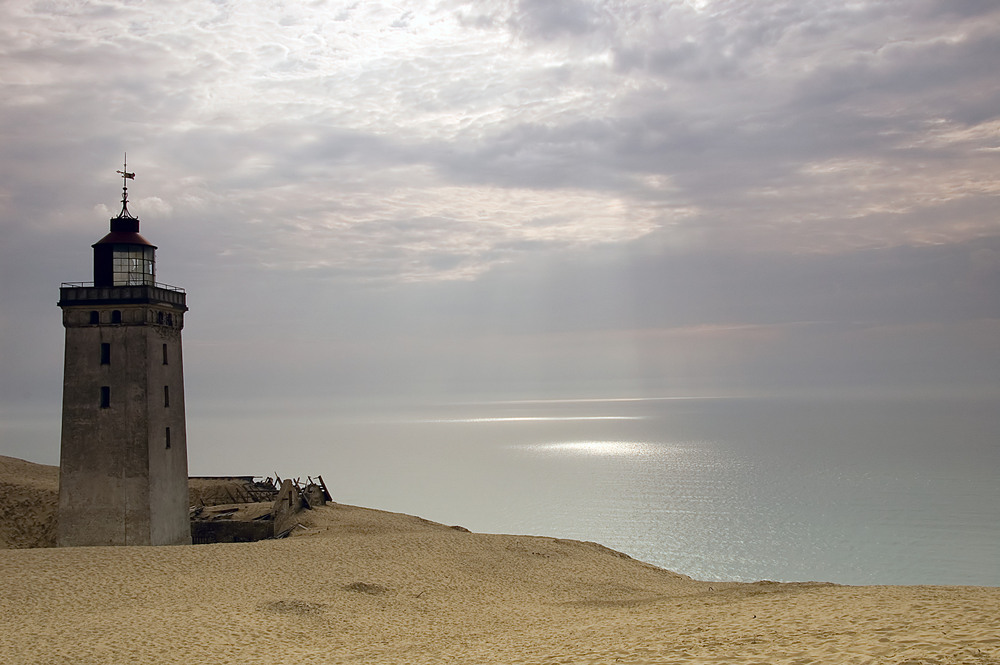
849	491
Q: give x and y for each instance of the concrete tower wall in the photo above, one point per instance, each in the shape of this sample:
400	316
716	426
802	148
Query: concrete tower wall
168	472
122	480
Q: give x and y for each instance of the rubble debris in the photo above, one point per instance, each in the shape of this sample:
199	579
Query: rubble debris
245	508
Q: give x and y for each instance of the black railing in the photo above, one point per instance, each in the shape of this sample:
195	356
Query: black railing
80	293
90	285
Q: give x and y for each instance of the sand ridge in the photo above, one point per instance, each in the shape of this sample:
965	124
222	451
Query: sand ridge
356	585
29	496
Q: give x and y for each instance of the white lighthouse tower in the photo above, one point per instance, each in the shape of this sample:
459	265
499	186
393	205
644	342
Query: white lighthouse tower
123	460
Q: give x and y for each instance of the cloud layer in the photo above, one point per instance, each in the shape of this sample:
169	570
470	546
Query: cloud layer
430	136
699	193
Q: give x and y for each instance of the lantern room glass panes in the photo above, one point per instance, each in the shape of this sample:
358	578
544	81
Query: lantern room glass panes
133	265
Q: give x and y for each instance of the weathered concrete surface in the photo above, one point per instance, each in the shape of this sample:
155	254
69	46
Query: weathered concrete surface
313	496
120	483
286	506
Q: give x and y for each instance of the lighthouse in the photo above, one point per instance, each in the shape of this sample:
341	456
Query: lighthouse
123	457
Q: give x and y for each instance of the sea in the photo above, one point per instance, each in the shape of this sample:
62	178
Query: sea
845	490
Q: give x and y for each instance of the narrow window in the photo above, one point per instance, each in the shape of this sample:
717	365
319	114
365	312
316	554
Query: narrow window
105	353
166	396
170	320
159	318
105	397
164	354
116	316
167	438
95	317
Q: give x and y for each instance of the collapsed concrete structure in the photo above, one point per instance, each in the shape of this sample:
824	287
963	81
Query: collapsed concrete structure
270	511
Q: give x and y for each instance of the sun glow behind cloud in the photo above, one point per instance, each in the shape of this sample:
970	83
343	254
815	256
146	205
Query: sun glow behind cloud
469	228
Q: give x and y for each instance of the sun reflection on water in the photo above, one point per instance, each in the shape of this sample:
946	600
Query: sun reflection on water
528	419
603	448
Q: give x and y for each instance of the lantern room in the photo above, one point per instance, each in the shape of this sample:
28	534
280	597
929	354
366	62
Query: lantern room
123	257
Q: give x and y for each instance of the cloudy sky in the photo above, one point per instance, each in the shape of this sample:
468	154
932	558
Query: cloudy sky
411	200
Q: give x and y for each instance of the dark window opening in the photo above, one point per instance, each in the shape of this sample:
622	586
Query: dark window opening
105	397
170	319
168	438
166	396
159	318
105	353
95	318
116	316
165	354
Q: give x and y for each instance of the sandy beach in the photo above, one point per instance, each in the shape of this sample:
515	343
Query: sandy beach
361	585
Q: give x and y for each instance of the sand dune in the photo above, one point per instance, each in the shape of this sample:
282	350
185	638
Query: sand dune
366	586
29	495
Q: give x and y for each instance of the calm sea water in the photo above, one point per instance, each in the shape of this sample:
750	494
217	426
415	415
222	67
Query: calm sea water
856	492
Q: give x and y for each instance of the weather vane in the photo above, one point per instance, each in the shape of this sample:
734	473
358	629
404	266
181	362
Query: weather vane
126	176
